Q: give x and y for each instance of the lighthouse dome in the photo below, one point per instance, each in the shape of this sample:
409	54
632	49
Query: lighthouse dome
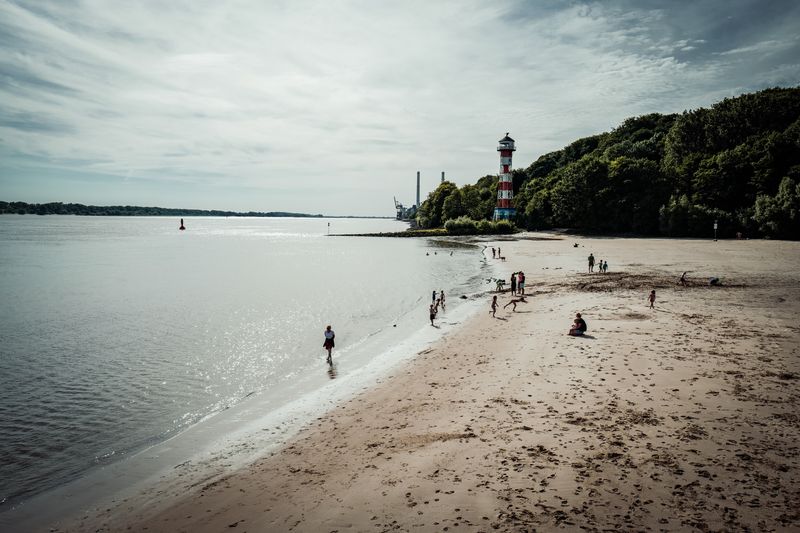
506	144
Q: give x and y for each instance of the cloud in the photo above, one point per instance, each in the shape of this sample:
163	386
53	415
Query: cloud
763	47
314	96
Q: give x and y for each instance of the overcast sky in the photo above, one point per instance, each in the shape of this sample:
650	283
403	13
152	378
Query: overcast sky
333	106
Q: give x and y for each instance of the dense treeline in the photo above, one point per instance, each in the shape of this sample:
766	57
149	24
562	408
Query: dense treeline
58	208
737	162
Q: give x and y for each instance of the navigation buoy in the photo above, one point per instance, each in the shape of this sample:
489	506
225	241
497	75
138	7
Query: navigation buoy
182	226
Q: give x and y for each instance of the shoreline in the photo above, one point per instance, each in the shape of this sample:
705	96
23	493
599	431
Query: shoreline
236	436
651	421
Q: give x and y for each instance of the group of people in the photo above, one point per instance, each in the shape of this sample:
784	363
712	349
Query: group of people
602	266
518	283
578	327
435	304
496	254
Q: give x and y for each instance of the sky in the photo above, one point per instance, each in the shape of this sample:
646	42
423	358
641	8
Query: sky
333	106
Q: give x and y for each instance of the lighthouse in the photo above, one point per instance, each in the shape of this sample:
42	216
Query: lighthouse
505	188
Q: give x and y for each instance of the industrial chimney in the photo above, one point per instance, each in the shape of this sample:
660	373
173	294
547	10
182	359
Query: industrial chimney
442	176
417	189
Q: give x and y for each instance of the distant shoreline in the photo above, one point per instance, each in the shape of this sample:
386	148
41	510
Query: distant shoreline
59	208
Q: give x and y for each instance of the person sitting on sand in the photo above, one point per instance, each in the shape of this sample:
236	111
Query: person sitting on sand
494	305
328	344
516	301
578	327
652	299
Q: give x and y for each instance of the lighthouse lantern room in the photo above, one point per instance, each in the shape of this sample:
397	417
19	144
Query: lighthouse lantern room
505	187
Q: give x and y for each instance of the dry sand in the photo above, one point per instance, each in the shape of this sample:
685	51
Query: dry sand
677	418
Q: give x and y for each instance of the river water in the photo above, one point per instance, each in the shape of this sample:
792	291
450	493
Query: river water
117	334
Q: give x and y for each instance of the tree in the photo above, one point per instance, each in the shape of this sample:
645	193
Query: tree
430	212
453	206
779	216
572	197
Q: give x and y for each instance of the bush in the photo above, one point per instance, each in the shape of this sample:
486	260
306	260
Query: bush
461	226
504	226
485	226
467	226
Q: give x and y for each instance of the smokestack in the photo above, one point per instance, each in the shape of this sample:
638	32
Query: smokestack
417	189
443	176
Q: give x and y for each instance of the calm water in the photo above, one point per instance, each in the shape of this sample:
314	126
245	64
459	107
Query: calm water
117	333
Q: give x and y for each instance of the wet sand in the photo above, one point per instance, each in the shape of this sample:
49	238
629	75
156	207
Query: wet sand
680	417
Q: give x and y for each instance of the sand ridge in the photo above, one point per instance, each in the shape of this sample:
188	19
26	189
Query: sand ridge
682	417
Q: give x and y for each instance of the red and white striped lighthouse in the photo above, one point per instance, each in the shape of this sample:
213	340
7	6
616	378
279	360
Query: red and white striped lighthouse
505	187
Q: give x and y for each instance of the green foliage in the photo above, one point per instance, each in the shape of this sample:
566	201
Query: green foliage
453	206
485	226
682	218
467	226
779	215
504	227
737	162
461	226
429	214
675	174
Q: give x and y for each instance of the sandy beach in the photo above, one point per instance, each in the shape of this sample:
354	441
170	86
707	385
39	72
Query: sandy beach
681	417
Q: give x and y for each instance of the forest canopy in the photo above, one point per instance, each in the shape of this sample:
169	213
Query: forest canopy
737	163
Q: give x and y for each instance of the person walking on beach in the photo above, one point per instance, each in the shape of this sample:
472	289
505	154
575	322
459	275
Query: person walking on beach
492	252
605	267
494	306
432	310
433	298
441	298
328	344
591	262
514	302
521	283
578	326
652	299
514	283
